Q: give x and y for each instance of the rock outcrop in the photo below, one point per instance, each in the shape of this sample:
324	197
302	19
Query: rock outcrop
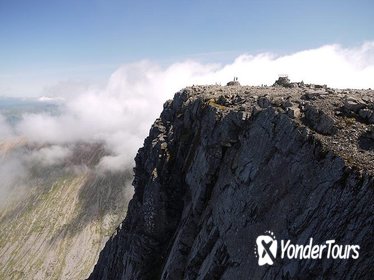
224	164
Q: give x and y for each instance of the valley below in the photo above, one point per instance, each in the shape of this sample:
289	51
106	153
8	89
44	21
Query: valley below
55	219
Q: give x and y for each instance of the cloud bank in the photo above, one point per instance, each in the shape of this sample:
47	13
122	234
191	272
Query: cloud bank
120	115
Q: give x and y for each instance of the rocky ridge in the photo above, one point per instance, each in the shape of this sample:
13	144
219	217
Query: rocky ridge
223	164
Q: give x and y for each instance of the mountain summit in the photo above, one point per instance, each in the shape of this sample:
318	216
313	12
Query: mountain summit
224	164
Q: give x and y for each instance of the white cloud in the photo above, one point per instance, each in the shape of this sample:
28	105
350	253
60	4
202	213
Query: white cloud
5	130
49	156
121	113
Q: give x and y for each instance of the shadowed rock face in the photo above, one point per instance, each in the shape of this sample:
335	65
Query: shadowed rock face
224	164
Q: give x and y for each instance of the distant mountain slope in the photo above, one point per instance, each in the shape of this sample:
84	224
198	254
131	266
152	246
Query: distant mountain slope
56	218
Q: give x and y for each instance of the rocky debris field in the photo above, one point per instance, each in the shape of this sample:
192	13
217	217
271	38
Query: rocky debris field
343	120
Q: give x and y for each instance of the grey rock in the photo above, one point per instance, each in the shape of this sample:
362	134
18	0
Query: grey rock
367	115
353	104
287	103
283	81
223	179
233	83
293	112
312	95
263	102
319	120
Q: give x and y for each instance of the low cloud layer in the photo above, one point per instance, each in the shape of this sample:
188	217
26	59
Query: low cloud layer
48	156
5	129
120	115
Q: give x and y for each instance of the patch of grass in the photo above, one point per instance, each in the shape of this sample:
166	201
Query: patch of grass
214	104
349	121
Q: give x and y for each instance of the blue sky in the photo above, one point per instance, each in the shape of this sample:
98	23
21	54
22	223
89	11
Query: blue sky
43	42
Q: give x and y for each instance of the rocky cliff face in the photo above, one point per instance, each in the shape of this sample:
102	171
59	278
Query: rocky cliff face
224	164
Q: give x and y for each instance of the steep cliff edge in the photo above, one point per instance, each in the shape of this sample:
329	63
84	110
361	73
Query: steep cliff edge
223	164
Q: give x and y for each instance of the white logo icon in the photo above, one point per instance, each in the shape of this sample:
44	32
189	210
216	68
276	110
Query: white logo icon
266	248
